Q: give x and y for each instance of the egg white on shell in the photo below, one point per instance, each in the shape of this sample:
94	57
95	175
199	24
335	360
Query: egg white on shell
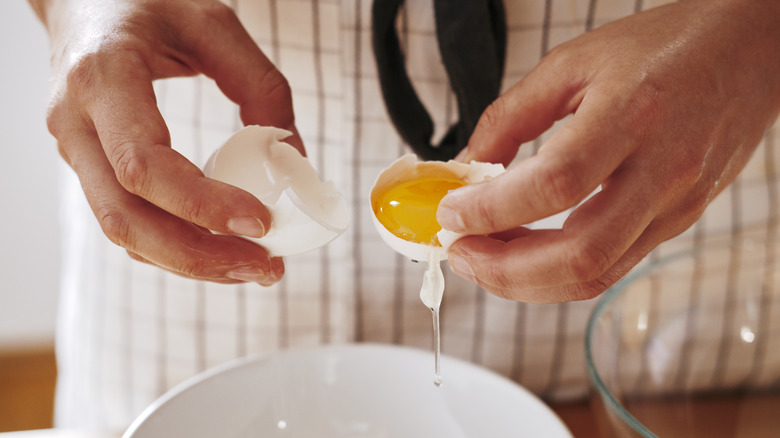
407	168
306	212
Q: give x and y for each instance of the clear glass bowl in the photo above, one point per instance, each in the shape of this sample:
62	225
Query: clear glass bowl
689	345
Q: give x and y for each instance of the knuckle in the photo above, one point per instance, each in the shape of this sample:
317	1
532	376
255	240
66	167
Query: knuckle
554	60
207	14
60	123
482	212
686	170
498	281
558	60
82	74
494	114
684	179
276	93
130	167
193	267
64	153
585	291
693	206
216	10
500	292
698	201
57	122
56	116
559	55
102	59
592	289
588	261
192	207
137	257
116	226
276	85
645	103
558	185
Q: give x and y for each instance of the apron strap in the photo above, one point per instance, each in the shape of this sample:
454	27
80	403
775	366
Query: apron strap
472	41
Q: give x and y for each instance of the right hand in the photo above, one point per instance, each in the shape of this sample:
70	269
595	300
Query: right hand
667	107
147	197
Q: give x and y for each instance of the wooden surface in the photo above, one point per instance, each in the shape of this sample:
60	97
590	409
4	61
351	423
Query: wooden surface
58	433
747	415
27	381
579	418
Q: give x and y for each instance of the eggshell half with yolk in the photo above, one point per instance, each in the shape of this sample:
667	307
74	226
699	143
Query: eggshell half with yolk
409	168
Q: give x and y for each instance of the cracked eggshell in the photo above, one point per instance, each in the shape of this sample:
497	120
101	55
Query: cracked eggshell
408	168
306	212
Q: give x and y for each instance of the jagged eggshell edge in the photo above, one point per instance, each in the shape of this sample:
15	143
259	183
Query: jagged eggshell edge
306	212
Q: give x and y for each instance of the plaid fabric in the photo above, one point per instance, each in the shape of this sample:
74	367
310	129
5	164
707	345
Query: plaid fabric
128	332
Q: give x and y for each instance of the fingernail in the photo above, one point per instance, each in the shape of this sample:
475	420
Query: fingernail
246	226
277	269
460	266
450	219
252	273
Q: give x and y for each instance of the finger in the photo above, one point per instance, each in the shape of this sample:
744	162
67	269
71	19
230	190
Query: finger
655	233
674	220
567	168
245	74
523	113
514	233
581	252
137	144
141	259
240	275
159	237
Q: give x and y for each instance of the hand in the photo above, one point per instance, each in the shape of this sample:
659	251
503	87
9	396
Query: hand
668	106
147	197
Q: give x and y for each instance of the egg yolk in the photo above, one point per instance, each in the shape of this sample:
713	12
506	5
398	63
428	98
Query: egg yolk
408	209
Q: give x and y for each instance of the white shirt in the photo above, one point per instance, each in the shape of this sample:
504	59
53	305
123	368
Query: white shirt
128	331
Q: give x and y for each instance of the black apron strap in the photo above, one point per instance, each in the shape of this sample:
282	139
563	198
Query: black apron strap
472	41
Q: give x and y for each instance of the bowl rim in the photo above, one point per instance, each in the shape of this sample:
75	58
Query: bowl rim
342	350
761	235
608	297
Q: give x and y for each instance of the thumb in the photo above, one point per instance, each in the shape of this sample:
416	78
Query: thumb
555	179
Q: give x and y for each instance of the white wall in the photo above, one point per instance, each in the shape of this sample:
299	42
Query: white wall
29	247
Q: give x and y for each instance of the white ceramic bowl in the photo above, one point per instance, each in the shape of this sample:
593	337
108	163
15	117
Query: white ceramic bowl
362	390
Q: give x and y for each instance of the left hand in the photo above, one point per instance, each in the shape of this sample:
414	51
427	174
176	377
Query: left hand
668	106
148	198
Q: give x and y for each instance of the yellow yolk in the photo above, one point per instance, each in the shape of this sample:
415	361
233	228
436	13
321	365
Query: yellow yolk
408	209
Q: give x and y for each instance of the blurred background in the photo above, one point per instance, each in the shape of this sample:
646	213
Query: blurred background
29	252
29	247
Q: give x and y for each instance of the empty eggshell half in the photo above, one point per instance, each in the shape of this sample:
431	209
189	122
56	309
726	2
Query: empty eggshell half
306	212
408	168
